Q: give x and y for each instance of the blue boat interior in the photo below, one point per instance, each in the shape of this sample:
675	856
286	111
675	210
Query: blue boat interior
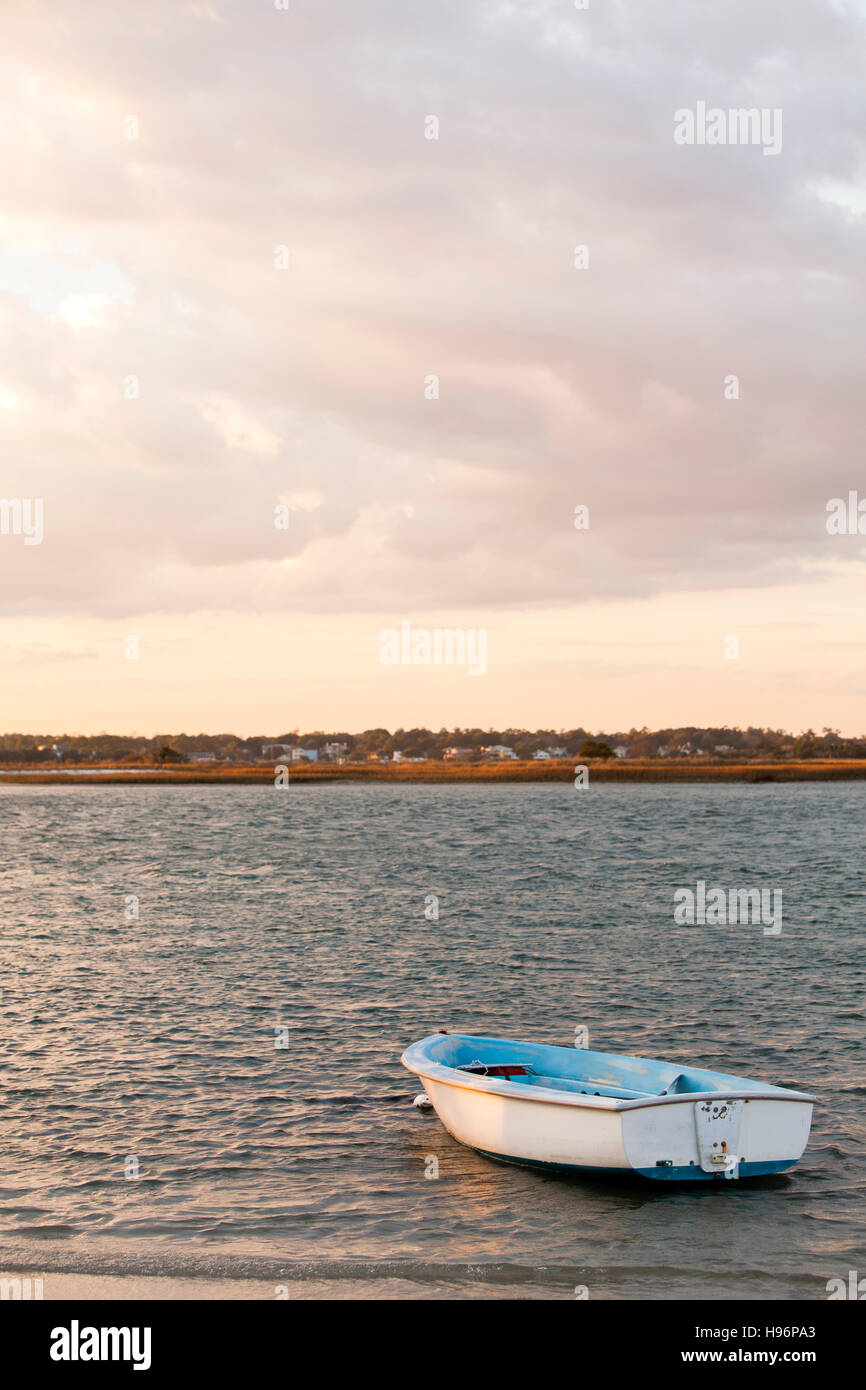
575	1070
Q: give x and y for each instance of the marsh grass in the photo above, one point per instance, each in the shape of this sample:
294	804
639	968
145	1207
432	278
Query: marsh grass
606	770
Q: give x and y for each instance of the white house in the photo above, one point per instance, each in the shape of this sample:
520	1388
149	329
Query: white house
500	750
621	751
281	749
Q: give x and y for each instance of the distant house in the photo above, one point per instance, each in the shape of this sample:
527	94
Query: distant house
723	748
621	751
335	751
542	756
499	750
451	754
269	750
304	755
662	750
556	752
202	757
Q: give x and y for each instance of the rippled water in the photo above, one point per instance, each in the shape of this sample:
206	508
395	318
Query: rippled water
303	908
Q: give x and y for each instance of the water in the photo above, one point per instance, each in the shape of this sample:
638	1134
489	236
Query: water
303	908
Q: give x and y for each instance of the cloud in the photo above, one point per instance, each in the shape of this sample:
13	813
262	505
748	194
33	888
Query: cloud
154	258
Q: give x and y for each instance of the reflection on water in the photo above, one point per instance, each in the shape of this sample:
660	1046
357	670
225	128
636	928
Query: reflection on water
148	1045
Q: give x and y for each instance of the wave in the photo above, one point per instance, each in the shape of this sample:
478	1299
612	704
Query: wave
603	1278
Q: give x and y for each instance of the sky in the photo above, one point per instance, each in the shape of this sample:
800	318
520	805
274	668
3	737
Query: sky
297	347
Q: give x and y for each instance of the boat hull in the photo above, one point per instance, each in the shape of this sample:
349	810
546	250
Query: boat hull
696	1137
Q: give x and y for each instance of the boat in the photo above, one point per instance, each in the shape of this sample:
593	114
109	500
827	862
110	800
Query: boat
567	1108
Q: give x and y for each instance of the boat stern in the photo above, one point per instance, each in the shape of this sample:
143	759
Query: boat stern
716	1136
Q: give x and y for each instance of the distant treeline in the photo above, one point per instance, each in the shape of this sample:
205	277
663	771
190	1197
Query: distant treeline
718	743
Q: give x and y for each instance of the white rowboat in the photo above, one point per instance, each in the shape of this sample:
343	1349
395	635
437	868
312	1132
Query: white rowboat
563	1107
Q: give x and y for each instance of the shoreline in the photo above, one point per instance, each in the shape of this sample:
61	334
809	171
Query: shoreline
843	769
49	1287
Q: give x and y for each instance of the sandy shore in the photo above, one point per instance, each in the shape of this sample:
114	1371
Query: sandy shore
147	1288
130	1286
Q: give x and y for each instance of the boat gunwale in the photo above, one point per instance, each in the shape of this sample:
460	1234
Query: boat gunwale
501	1086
